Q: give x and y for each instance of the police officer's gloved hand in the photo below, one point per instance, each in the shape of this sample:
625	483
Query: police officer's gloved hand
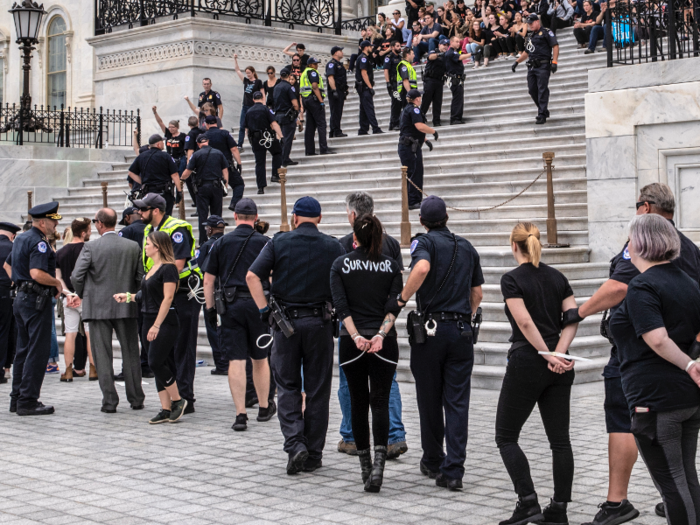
265	314
210	315
389	90
178	197
694	351
435	134
372	91
514	67
429	144
336	95
554	67
571	316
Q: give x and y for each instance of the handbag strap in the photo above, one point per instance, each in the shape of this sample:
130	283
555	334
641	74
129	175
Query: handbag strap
235	263
449	270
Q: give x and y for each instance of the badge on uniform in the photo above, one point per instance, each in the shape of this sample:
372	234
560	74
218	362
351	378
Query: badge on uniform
626	253
416	111
364	59
187	138
272	112
330	65
551	34
41	247
404	68
218	96
539	34
177	237
201	97
414	244
293	90
120	234
386	59
196	254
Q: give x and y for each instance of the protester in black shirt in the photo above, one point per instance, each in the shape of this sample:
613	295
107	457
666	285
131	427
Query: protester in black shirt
656	332
583	28
300	52
251	84
269	87
535	296
174	141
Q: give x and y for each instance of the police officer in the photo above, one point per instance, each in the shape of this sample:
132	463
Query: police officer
442	359
541	53
433	80
411	139
454	65
156	172
221	139
152	209
391	62
264	134
300	262
211	167
337	78
190	147
215	226
133	225
7	319
286	112
364	84
313	94
406	75
32	267
242	333
211	96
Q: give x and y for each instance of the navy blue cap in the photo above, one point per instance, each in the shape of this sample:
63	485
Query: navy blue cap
532	18
9	227
335	49
210	119
151	200
246	207
285	71
216	220
257	95
202	137
311	60
414	93
307	207
154	139
128	211
433	209
365	43
46	211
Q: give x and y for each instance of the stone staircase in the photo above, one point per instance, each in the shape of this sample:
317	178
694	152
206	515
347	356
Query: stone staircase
482	163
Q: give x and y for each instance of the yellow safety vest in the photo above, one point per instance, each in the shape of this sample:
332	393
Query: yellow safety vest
305	85
169	226
412	76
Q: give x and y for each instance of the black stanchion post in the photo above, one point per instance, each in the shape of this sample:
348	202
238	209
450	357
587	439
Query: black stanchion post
608	36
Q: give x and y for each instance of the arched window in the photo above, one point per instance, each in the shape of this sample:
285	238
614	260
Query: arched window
56	72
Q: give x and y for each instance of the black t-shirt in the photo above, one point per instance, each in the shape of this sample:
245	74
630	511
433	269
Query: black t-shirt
152	294
191	139
270	93
284	94
542	289
662	296
224	252
364	64
340	76
176	144
250	87
410	116
585	17
209	164
453	62
134	232
212	97
222	140
5	249
66	258
154	166
543	41
390	247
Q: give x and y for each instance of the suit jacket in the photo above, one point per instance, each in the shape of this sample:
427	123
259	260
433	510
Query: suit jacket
105	267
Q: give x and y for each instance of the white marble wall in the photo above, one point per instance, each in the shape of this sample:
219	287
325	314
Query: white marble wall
642	126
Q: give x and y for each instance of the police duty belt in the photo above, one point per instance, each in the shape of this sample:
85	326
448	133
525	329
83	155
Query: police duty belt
453	79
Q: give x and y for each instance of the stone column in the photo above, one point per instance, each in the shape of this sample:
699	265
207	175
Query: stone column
348	9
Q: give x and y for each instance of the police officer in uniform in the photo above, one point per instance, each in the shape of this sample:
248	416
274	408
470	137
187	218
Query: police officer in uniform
286	112
364	84
32	267
133	225
211	96
442	364
313	94
454	65
7	319
264	134
222	140
242	333
156	172
190	147
337	78
215	226
433	80
411	139
300	262
211	168
406	75
391	62
152	208
541	53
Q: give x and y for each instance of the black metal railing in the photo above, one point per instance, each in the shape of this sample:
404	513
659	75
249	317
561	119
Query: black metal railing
320	14
649	31
358	24
69	127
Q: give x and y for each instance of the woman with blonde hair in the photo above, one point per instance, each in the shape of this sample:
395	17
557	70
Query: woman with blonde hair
536	295
160	325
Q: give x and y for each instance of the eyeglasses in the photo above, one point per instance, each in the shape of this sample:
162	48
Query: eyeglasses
95	221
642	203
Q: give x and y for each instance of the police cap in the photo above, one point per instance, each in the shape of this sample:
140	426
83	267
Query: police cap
202	138
154	139
151	200
532	17
128	211
246	207
307	207
257	95
433	209
365	43
45	211
210	119
414	93
335	49
311	60
216	220
9	227
285	71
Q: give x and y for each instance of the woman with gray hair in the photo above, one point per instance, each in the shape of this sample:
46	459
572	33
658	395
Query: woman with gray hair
655	330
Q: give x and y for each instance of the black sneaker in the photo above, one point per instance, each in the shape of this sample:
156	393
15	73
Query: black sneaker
312	464
178	409
541	119
527	510
161	417
660	510
241	423
426	471
265	414
448	483
250	403
554	514
614	513
217	372
189	408
296	462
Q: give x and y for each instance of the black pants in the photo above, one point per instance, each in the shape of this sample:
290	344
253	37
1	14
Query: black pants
528	382
288	131
7	328
315	120
395	115
310	349
336	106
583	34
161	351
235	181
369	381
442	368
538	87
517	42
169	202
558	23
80	357
367	116
33	349
432	94
457	106
186	345
260	160
220	361
209	202
414	163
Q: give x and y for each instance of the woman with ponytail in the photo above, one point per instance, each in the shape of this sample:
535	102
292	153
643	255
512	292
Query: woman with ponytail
365	285
536	295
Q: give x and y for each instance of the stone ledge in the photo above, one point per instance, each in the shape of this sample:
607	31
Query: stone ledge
644	75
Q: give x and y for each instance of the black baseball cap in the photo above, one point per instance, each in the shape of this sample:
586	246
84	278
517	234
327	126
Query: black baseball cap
532	18
210	119
151	200
335	49
285	71
311	60
246	207
365	43
128	211
433	209
154	139
257	95
414	93
216	220
307	207
202	137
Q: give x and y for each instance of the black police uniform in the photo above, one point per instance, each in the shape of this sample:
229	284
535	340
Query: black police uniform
538	45
209	164
223	141
442	366
391	62
300	262
212	97
433	80
133	232
258	121
315	118
7	319
336	98
454	68
367	116
286	116
33	312
410	143
155	167
191	145
220	361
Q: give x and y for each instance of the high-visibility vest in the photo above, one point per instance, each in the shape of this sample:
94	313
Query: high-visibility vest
412	76
169	226
305	85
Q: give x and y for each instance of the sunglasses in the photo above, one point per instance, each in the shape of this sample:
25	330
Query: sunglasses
147	209
642	203
397	13
95	221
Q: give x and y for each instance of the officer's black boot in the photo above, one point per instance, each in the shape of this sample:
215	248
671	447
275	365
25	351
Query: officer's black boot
555	514
527	510
365	463
374	483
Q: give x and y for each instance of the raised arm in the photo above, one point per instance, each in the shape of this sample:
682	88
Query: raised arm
287	50
238	69
194	108
158	119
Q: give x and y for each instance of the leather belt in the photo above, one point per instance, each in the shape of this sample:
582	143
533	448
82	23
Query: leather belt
299	313
447	316
30	287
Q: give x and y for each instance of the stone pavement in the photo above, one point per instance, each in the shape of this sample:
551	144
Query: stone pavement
83	466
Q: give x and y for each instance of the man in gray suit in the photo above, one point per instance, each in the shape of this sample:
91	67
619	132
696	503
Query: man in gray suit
105	267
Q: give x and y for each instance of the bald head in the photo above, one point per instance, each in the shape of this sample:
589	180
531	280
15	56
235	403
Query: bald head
107	217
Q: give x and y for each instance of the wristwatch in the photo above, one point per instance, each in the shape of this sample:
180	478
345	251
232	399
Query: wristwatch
399	299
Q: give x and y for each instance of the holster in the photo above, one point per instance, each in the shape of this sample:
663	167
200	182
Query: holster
415	326
219	301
